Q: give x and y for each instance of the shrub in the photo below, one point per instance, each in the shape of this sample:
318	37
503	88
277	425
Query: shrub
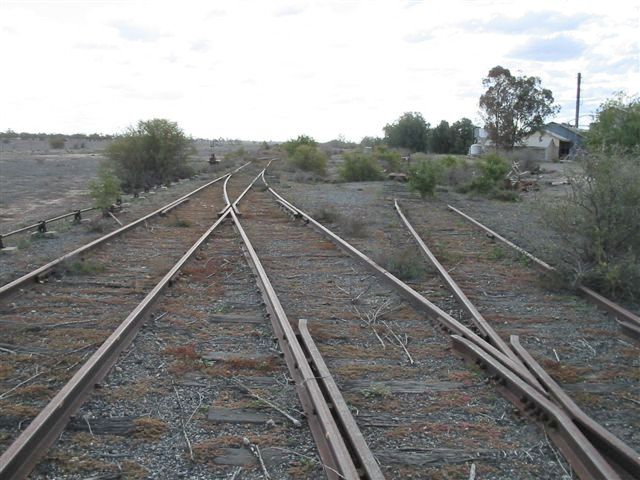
424	177
390	160
154	152
359	167
309	159
599	220
291	146
57	142
404	264
106	189
85	267
492	170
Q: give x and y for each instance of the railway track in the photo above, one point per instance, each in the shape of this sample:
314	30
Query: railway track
208	384
619	455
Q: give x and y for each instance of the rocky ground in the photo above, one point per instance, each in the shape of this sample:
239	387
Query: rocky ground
575	342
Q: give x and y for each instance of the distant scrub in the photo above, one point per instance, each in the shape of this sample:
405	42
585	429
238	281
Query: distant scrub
303	154
57	142
360	167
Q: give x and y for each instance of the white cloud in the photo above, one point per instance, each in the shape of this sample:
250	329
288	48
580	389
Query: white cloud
273	70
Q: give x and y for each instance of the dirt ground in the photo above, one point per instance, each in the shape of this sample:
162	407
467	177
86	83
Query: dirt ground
592	366
37	182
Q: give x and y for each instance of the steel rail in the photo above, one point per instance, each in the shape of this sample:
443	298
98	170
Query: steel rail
36	225
487	331
47	268
584	458
335	456
23	454
617	452
628	318
449	323
522	391
226	198
356	443
539	263
620	455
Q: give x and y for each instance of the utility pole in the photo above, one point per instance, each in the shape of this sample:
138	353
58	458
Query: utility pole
578	100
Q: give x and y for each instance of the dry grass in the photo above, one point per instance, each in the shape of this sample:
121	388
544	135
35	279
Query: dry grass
240	366
72	464
458	435
134	471
34	391
356	351
206	450
18	410
149	429
380	372
6	370
138	389
382	404
564	373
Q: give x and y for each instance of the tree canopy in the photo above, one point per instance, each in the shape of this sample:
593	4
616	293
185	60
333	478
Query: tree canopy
514	107
409	131
153	152
617	123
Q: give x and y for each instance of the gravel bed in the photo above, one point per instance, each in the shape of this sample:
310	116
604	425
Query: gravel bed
433	417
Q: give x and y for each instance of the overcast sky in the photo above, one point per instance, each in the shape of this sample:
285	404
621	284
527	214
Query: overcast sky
271	70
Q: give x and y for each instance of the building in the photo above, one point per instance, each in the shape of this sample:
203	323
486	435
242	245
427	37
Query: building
551	143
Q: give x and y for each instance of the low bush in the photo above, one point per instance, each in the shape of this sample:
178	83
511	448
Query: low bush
85	267
424	177
105	189
599	221
290	146
57	142
404	264
492	170
360	167
390	160
309	159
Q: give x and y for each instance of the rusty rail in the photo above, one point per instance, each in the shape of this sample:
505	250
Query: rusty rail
365	461
581	454
483	326
44	270
23	454
334	453
628	321
38	225
449	323
619	454
585	459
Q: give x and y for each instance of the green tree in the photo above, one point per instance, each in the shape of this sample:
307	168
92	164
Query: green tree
513	107
156	151
462	132
371	141
617	123
441	138
409	131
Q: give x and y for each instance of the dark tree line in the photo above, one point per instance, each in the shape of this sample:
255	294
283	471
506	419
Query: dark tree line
413	132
